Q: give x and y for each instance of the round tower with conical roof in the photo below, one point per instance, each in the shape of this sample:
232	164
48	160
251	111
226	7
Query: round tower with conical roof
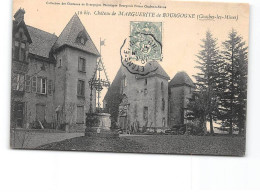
180	90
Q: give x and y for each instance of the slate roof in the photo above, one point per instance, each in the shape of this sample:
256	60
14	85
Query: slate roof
114	89
42	41
70	33
150	66
180	79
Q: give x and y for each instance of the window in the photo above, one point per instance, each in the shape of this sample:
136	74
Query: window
81	88
41	85
18	113
145	81
43	67
162	86
82	41
18	82
82	64
50	87
163	122
82	37
34	84
20	51
163	104
80	114
27	83
60	63
145	113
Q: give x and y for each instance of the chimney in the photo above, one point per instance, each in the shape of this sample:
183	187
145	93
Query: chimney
19	15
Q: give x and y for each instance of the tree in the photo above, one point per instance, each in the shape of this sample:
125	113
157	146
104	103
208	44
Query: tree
234	82
209	63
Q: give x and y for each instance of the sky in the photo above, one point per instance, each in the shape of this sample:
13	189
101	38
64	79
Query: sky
181	37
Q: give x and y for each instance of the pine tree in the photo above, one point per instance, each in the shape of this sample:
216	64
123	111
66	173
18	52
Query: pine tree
234	83
206	80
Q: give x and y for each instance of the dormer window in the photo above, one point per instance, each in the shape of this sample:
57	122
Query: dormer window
82	41
82	38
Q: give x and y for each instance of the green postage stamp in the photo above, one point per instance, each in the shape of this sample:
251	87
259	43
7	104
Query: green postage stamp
146	40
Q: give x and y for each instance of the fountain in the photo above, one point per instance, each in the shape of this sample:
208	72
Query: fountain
98	123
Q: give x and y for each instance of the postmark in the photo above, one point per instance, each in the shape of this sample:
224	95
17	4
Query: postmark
142	46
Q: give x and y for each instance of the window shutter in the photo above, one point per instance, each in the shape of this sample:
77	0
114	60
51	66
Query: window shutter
50	87
38	85
14	81
83	89
27	83
21	82
79	64
34	83
78	87
84	66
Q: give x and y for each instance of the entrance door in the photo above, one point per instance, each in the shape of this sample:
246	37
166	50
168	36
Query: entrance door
18	114
123	123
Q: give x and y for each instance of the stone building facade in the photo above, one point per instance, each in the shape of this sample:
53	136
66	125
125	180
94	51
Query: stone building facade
50	75
152	101
181	88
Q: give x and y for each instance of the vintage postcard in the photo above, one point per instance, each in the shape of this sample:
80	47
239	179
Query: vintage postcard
129	76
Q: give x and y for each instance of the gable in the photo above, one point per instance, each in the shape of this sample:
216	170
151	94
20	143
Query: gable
69	37
17	27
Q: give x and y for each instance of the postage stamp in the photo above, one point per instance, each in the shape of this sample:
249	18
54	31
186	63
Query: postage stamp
146	40
143	46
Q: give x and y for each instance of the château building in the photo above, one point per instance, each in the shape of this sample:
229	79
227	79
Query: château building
150	101
50	75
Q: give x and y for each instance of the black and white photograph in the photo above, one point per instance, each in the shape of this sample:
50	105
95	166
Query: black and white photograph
129	96
74	90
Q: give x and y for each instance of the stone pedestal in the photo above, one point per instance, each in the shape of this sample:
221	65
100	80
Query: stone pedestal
98	124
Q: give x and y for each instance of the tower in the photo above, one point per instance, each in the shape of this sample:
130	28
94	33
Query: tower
180	90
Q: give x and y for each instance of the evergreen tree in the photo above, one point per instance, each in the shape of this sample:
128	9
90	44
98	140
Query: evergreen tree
234	83
206	80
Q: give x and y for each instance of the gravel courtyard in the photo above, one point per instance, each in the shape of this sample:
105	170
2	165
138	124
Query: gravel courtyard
169	144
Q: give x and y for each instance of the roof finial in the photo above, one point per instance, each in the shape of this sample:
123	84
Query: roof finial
19	15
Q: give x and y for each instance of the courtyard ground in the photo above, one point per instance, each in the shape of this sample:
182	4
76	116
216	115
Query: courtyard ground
169	144
30	139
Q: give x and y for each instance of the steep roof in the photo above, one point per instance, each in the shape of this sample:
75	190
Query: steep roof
180	79
155	69
70	33
114	89
42	41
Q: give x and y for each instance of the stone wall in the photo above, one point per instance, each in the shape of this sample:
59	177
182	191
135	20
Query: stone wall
68	75
32	98
178	100
141	95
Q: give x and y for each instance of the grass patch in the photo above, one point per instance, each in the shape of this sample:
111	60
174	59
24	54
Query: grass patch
169	144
